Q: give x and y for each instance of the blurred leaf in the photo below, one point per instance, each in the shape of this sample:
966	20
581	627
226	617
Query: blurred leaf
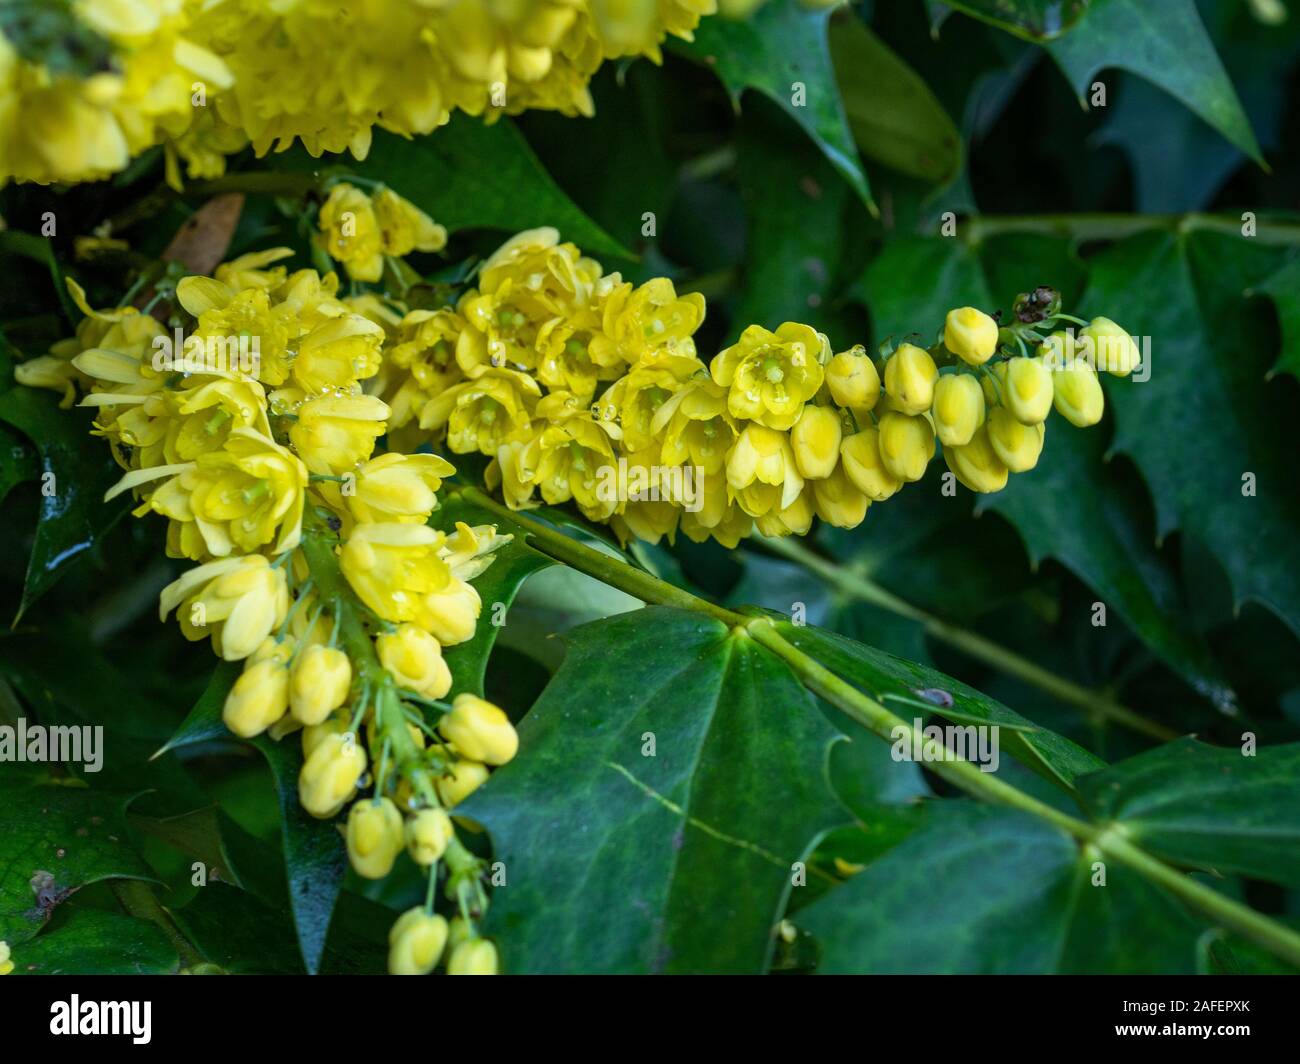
469	174
706	830
1076	507
49	33
1206	806
1034	20
894	116
985	890
57	839
74	517
778	51
897	683
1283	287
1165	43
91	942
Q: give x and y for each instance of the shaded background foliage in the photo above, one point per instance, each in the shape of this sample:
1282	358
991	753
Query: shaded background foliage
828	213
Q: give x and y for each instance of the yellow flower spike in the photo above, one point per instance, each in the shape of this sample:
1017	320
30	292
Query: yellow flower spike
976	464
853	380
971	335
480	730
1077	394
771	375
906	445
258	699
319	683
1110	347
6	965
1018	445
416	942
349	233
863	465
237	601
816	441
398	487
1028	394
910	374
838	501
414	659
404	227
374	837
330	774
463	779
427	834
958	408
333	434
475	956
451	614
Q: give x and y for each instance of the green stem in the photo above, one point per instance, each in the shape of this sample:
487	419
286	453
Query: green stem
137	898
1094	703
978	228
1108	840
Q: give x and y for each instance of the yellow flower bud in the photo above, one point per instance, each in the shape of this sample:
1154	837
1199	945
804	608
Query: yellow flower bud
319	683
258	699
1110	347
976	464
1017	444
272	649
994	383
6	965
1028	390
906	445
314	733
329	776
463	779
374	837
475	956
792	520
853	380
971	335
910	374
838	500
480	730
416	942
816	441
461	930
860	454
452	612
414	659
1077	394
958	408
427	835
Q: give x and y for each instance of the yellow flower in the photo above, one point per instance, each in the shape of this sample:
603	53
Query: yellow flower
398	487
463	778
910	374
1028	390
838	501
427	834
416	942
762	471
636	398
958	408
853	380
392	567
771	375
319	683
330	774
337	353
483	413
480	730
6	965
971	335
315	734
718	516
1016	444
1077	394
414	659
404	227
1110	347
259	698
863	465
334	434
567	459
451	613
238	601
426	350
476	956
976	464
906	445
350	234
816	441
374	837
695	427
792	520
645	322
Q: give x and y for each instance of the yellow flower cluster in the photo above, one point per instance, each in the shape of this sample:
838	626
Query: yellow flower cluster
208	77
582	387
254	436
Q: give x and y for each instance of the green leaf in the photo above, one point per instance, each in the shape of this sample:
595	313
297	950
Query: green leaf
1077	508
57	840
314	856
1165	43
894	116
1034	20
985	890
897	684
74	516
91	942
18	462
1283	287
627	856
1213	808
203	723
468	175
781	47
1211	437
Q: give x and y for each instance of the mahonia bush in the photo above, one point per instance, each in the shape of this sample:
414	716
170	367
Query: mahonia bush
254	427
206	78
